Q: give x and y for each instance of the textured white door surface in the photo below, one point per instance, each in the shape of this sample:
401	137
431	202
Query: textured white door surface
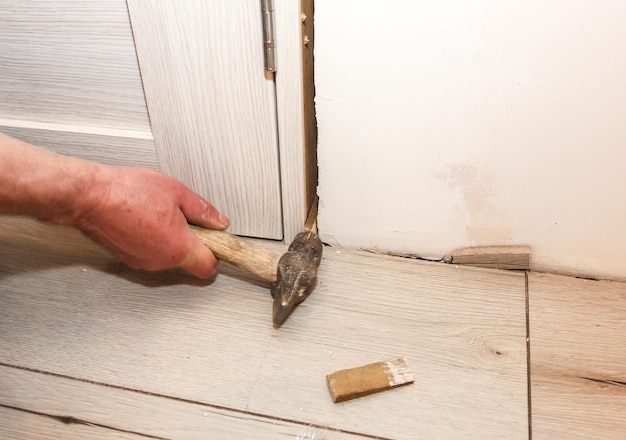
70	82
70	62
183	90
212	108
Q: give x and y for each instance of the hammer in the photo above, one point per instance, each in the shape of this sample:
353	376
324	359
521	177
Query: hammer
292	274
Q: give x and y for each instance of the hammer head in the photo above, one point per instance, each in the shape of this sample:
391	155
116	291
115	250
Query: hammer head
297	271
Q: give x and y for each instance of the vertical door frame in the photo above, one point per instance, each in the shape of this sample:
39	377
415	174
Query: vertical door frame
297	129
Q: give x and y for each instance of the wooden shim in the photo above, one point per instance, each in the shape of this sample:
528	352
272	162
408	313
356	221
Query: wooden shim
368	379
495	257
311	221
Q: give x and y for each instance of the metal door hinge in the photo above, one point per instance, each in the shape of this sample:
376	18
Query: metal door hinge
269	38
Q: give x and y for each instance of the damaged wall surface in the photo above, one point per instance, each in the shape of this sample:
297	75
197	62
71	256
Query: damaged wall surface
450	124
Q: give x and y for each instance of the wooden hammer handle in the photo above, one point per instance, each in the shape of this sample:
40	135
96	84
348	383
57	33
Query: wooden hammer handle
242	253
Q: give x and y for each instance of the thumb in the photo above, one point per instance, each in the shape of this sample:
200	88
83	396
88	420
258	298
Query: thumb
199	260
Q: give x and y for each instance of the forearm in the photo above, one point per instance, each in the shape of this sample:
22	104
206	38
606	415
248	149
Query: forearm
39	183
138	214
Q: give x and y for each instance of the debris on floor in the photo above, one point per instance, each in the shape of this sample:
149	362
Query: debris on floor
368	379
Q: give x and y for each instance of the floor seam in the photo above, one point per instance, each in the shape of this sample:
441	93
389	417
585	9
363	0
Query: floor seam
528	370
179	399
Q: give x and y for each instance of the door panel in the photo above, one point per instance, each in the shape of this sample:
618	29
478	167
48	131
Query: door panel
111	147
211	106
70	62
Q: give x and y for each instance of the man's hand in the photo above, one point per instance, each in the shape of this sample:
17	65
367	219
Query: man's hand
140	215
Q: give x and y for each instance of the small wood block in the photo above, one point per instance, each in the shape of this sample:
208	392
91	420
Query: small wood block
368	379
495	257
311	221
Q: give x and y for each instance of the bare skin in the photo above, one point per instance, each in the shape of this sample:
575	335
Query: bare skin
138	214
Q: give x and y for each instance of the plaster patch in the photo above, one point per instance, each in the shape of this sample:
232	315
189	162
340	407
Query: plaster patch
485	223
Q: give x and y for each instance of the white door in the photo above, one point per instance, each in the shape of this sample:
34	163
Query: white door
76	78
211	105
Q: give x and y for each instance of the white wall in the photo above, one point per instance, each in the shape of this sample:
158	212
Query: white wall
449	123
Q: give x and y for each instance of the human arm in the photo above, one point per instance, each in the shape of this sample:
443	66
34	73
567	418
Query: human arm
140	215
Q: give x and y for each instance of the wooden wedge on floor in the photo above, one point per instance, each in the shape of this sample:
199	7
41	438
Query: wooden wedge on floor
368	379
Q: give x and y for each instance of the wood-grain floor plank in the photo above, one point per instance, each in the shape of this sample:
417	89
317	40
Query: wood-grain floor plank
578	360
124	411
23	425
69	309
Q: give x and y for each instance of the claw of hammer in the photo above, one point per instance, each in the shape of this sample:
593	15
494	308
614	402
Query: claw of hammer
297	271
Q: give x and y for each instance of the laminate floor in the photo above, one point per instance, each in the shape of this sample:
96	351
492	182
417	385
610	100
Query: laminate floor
578	358
92	349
